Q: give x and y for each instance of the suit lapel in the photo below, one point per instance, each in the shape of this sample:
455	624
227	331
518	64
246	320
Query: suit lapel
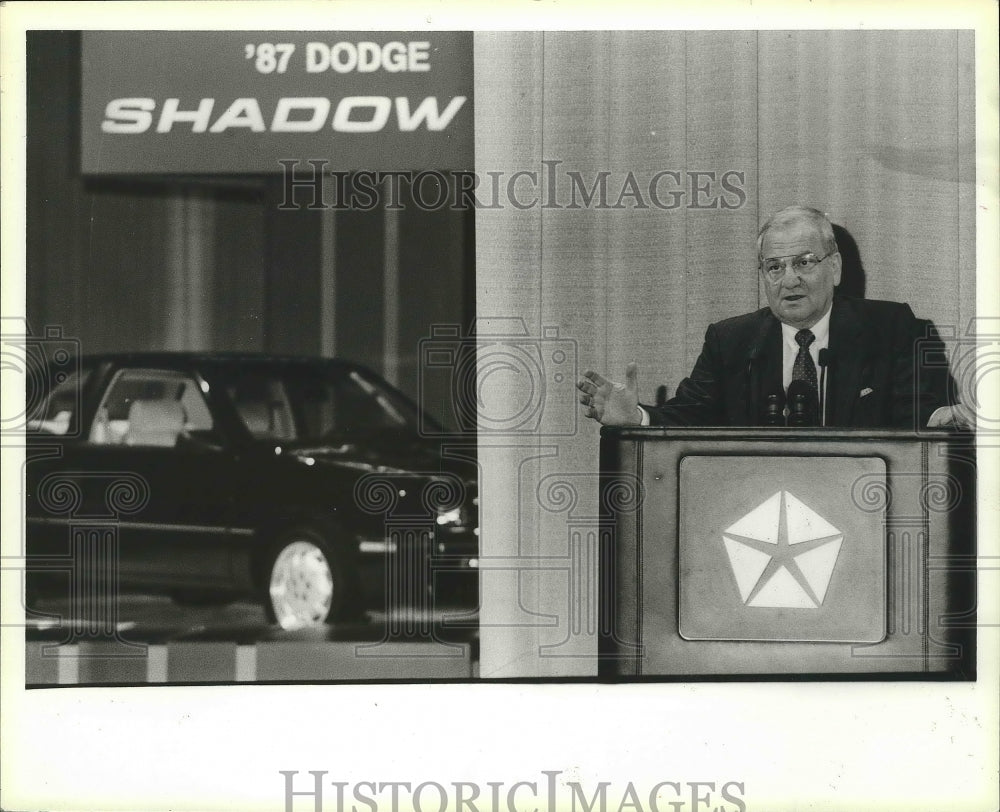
769	367
845	372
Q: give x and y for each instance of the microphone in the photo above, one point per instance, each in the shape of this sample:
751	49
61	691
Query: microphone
774	409
801	404
825	359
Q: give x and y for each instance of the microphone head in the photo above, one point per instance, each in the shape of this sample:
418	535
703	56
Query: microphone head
825	357
774	409
802	404
799	390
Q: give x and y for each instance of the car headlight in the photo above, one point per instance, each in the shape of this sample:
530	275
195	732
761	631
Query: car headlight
450	517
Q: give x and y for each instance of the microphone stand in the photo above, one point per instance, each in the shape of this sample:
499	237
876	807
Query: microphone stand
824	362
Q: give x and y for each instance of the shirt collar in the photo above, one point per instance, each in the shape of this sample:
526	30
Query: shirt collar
821	331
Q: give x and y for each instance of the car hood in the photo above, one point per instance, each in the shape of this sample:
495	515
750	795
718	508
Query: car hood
384	452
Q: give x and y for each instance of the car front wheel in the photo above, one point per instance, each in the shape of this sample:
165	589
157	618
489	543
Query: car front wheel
305	584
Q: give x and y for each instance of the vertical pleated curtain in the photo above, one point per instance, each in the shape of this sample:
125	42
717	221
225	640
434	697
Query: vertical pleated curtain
873	127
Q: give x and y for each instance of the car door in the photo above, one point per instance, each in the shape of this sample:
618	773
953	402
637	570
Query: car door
154	466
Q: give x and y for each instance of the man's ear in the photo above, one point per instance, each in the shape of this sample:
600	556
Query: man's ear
837	266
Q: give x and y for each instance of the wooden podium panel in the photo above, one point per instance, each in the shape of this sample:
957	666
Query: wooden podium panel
813	552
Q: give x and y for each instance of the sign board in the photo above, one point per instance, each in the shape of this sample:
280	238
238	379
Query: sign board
241	102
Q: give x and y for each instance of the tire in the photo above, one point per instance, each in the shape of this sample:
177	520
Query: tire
305	583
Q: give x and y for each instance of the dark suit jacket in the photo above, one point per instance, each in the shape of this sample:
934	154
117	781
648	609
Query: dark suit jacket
873	344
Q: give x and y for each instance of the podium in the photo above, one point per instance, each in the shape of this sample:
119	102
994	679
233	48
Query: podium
784	553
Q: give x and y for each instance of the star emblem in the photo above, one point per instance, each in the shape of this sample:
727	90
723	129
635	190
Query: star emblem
783	554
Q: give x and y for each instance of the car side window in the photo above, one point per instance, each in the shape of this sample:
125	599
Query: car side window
62	404
262	404
150	407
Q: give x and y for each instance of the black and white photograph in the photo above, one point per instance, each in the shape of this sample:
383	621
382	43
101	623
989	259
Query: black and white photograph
441	408
248	456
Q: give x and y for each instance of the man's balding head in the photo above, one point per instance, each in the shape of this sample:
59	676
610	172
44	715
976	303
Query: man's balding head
799	243
800	214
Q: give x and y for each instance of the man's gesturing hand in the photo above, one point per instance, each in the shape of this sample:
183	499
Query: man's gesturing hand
610	403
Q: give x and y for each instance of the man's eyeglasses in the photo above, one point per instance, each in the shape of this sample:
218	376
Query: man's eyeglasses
803	264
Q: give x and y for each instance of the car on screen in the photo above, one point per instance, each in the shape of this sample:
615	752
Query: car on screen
301	483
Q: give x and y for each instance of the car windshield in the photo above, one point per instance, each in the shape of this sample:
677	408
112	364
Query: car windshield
313	404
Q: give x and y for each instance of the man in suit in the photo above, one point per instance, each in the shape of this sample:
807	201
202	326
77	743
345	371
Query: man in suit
841	361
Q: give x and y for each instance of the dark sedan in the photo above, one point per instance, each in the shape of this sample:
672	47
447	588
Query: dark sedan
302	483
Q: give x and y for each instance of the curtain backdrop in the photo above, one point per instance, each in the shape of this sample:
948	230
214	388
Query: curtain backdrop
873	127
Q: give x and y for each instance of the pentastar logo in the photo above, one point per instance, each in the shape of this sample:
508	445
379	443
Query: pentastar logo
783	554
